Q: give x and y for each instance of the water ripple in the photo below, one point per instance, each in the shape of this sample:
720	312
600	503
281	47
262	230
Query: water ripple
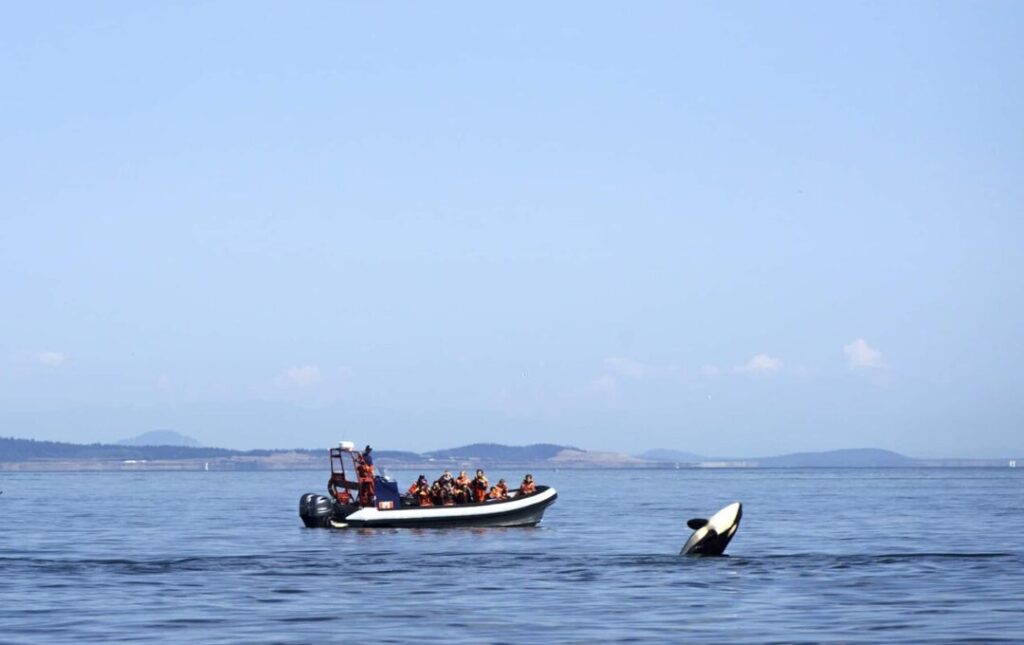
889	564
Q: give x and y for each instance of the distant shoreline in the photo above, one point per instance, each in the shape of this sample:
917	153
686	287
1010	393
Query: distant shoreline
29	455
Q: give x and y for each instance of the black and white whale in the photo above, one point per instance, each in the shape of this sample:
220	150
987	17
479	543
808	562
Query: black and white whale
711	536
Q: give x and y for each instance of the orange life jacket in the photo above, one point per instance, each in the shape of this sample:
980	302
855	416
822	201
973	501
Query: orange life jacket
341	495
500	491
364	471
424	496
480	488
338	488
364	475
527	488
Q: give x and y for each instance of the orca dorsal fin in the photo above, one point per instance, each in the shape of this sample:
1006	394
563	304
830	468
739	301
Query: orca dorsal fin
696	523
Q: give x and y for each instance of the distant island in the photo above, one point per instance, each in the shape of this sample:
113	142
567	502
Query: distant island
161	438
185	453
662	454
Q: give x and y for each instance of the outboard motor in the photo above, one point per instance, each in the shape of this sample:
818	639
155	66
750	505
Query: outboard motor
316	510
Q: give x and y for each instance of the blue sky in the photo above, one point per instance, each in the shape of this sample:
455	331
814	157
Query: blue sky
736	230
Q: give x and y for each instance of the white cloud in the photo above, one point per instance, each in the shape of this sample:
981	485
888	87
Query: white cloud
616	369
759	364
860	355
626	367
604	383
53	359
298	376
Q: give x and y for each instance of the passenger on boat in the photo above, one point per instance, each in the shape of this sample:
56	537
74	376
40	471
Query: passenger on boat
416	484
527	487
443	490
463	492
500	490
421	491
442	494
480	485
364	475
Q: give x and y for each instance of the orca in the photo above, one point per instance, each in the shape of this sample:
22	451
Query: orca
711	536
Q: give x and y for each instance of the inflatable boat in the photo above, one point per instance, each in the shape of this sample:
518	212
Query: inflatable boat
373	501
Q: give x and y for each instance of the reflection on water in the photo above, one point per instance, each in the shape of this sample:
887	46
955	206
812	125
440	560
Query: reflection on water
821	554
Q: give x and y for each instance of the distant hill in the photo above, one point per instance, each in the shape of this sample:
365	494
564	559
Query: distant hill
161	438
594	459
661	454
397	455
15	450
848	458
28	454
499	452
12	449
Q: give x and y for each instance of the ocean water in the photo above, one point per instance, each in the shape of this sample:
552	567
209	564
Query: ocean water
901	555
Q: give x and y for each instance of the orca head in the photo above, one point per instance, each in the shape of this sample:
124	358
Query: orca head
711	536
